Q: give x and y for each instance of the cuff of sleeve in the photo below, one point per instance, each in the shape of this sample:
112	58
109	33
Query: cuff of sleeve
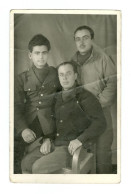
50	136
82	138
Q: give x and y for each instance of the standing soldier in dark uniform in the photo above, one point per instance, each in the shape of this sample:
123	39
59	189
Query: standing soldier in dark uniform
79	121
34	91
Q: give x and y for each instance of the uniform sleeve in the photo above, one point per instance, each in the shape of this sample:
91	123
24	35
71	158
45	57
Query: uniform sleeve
107	96
19	105
92	108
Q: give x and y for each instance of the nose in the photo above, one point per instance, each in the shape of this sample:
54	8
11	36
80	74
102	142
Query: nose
41	55
65	77
81	40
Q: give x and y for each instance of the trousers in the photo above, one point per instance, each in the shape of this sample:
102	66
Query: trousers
37	163
103	147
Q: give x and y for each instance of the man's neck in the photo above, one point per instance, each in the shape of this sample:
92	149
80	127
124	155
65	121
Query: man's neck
88	53
84	57
40	68
69	89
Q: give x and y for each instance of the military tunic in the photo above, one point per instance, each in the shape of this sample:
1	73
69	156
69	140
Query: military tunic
33	99
78	115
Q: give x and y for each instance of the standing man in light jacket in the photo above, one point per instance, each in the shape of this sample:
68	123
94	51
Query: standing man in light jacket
96	73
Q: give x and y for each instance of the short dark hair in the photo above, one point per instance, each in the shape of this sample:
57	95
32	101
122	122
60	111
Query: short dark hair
85	28
72	63
38	40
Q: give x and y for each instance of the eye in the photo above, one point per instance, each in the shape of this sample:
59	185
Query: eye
69	73
45	52
77	39
36	53
60	75
86	37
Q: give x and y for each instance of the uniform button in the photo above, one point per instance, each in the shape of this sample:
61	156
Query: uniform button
28	89
61	121
54	85
40	102
37	108
77	102
57	134
43	86
41	94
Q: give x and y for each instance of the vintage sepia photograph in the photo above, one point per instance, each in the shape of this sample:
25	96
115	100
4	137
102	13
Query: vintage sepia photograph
65	72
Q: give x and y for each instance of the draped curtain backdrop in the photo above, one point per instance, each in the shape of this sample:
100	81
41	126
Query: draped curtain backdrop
59	29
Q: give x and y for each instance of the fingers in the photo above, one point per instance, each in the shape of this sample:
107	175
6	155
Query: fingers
74	144
71	149
45	148
29	138
28	135
34	134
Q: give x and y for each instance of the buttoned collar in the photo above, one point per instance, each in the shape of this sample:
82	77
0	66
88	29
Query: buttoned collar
65	96
45	66
49	77
93	55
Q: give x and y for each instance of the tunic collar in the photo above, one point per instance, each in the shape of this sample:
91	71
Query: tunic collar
65	96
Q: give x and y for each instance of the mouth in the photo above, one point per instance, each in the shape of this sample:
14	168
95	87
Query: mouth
65	83
82	46
41	61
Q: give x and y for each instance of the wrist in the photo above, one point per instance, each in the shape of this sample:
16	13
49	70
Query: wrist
46	139
79	142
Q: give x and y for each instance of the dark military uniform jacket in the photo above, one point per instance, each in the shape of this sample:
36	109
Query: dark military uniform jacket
34	99
78	115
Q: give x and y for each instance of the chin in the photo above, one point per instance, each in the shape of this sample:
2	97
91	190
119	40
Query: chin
65	88
84	50
40	65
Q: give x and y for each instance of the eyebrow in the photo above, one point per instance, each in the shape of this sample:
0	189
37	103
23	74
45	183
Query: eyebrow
40	51
66	72
82	36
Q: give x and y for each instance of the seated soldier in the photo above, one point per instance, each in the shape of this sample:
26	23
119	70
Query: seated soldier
79	121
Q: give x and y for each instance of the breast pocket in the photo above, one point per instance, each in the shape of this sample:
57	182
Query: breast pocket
28	87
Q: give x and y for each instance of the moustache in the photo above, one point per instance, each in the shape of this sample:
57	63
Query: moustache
82	45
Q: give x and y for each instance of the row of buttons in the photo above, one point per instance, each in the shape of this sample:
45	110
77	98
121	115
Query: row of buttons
30	89
42	87
42	96
61	121
39	103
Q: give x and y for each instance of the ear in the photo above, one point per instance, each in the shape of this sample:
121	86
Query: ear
29	55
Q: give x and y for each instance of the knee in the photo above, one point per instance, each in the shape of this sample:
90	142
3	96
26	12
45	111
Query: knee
26	164
40	168
36	168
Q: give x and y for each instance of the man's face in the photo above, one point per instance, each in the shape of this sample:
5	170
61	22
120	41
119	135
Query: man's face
83	41
39	56
67	76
